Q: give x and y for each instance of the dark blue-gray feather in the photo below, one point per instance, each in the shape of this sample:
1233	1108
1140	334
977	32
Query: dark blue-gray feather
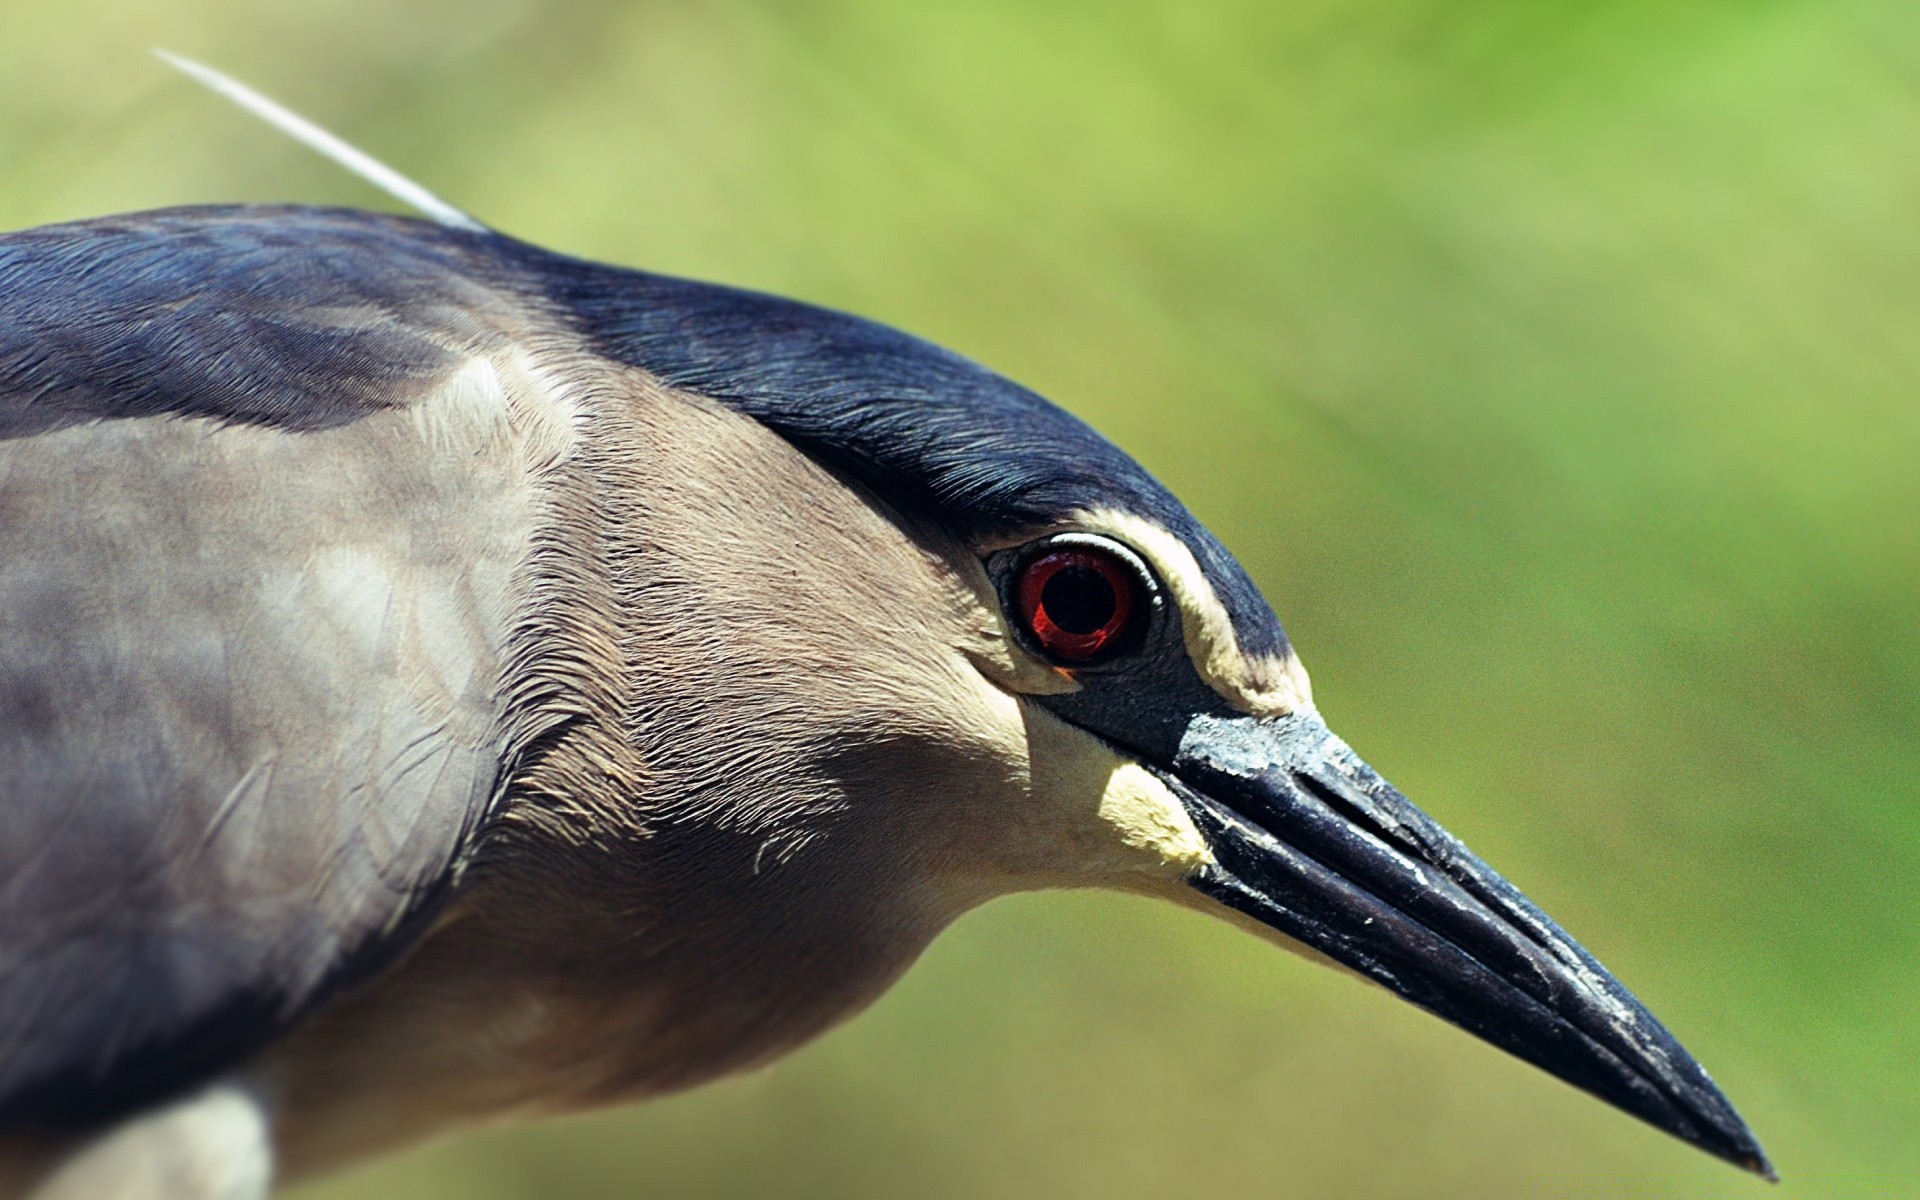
299	319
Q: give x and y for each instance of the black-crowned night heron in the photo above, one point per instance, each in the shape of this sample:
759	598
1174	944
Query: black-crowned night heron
441	679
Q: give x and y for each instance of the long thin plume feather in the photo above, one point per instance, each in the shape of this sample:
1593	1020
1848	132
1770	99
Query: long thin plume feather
302	130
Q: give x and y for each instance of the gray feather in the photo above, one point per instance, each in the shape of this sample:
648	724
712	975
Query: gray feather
251	643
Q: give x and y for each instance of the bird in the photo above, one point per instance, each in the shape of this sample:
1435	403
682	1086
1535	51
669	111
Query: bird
446	681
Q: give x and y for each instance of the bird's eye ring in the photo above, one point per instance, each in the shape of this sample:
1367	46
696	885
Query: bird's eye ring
1080	604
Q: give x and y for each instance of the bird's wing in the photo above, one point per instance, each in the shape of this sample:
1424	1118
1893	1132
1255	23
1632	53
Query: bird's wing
265	484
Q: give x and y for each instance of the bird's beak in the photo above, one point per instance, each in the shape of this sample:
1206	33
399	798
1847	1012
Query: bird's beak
1310	841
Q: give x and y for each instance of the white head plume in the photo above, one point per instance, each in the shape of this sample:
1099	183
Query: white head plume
302	130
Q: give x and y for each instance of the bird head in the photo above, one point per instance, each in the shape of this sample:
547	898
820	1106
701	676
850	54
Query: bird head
1077	684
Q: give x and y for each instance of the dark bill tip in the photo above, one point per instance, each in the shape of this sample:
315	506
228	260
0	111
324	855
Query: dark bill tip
1312	843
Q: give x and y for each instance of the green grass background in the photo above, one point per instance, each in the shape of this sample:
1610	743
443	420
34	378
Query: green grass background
1553	367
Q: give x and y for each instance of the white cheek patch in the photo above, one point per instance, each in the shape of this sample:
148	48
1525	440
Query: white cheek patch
1263	687
1149	818
1087	816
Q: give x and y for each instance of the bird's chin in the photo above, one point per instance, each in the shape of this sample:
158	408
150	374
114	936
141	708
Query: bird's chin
1309	842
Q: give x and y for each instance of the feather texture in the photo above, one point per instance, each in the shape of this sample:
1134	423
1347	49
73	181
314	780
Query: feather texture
255	600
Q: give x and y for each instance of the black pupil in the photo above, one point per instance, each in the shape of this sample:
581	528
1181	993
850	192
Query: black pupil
1079	599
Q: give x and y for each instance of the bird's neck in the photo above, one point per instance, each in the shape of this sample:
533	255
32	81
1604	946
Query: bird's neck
524	1003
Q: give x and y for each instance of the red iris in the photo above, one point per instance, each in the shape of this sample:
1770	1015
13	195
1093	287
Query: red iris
1077	603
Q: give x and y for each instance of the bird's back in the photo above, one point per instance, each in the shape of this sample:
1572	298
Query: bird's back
263	498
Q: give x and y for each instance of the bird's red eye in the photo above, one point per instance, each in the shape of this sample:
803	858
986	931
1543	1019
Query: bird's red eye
1078	604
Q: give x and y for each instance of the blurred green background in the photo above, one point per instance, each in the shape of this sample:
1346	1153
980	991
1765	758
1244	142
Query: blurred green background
1552	366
